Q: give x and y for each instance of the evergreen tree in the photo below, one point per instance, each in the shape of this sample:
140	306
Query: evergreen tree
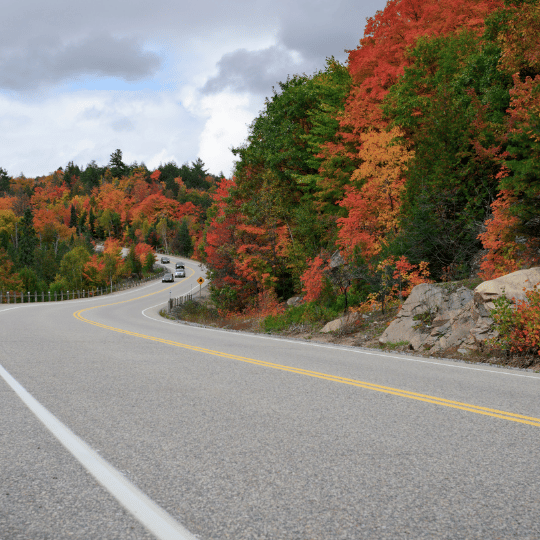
71	173
28	239
4	182
82	222
186	244
73	218
92	222
117	167
91	176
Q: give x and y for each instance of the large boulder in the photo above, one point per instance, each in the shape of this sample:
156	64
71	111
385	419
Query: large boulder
340	324
436	317
428	318
513	286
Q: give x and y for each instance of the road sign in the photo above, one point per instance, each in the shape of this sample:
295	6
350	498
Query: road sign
200	281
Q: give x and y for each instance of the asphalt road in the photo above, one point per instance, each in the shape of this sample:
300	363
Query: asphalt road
165	430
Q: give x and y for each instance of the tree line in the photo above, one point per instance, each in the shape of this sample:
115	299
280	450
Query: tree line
65	231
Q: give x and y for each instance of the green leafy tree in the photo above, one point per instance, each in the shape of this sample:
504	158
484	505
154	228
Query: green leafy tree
72	268
149	262
31	281
132	263
451	103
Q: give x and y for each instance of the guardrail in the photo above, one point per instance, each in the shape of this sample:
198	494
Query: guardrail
175	302
17	297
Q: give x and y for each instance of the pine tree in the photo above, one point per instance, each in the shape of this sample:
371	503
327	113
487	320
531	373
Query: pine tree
92	222
117	167
28	239
186	244
73	217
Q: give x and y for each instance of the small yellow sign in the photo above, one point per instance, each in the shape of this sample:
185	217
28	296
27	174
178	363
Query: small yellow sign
200	281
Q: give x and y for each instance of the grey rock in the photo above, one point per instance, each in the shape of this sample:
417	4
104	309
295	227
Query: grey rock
336	260
341	323
459	316
512	285
295	301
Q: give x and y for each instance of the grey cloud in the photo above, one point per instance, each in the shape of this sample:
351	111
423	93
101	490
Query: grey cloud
123	124
308	32
92	113
318	28
36	64
253	71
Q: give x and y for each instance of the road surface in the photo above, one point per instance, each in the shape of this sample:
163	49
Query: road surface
117	423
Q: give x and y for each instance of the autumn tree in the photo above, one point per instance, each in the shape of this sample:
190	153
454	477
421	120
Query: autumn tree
373	199
9	279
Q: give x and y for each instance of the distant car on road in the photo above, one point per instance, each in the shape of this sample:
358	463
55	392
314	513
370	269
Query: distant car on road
168	277
179	264
180	272
165	260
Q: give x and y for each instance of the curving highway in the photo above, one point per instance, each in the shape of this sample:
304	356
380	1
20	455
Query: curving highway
117	423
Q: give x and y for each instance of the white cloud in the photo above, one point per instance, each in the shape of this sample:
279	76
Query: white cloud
78	83
83	126
228	118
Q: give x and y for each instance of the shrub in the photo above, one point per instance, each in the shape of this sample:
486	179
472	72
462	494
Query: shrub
518	324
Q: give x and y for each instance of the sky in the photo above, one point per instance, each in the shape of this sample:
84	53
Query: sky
162	81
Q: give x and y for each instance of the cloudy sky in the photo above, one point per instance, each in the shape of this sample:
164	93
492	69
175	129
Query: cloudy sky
162	80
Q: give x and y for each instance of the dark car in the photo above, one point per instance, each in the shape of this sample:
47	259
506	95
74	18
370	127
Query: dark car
180	272
179	265
168	277
165	260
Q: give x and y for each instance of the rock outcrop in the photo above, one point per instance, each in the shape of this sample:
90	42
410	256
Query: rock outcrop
342	323
437	317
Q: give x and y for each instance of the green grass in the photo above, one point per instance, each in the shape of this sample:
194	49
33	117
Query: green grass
307	315
391	345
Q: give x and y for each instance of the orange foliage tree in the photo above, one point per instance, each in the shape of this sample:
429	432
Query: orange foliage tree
373	208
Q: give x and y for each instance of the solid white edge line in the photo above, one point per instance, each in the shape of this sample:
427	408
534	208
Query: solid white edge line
338	348
146	511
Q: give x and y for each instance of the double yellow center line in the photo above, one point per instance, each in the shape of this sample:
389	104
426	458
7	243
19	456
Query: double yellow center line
325	376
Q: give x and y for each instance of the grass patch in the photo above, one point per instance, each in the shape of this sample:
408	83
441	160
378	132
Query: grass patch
305	317
393	345
166	315
198	312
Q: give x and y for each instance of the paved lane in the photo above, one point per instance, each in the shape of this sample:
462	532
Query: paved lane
233	448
